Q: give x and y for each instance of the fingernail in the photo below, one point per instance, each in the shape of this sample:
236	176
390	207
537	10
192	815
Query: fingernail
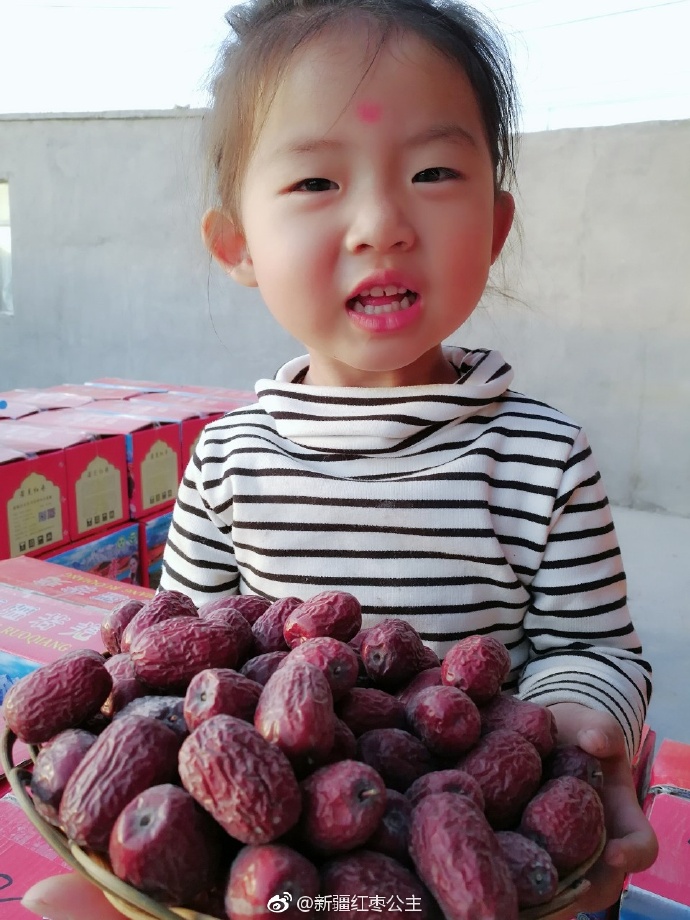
35	905
40	907
591	737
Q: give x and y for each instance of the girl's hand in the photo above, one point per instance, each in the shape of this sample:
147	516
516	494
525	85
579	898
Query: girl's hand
631	844
69	897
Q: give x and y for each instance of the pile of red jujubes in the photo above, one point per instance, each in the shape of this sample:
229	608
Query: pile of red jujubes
251	758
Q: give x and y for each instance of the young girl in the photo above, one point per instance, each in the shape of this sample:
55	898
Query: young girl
363	151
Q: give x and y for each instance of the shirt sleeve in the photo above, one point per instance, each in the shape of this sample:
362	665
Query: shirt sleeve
584	645
199	558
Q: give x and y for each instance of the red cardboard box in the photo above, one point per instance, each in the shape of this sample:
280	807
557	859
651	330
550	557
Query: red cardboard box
189	416
89	392
670	770
153	534
33	501
662	892
245	396
25	858
12	407
206	403
111	554
192	425
52	399
47	610
95	469
20	755
51	580
122	382
152	451
36	630
208	407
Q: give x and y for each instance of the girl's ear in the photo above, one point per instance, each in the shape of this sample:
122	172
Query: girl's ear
228	247
504	211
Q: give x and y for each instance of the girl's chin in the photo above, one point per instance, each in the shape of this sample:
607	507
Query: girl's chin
389	370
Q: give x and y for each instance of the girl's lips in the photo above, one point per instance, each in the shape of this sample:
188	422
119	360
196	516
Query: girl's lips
384	320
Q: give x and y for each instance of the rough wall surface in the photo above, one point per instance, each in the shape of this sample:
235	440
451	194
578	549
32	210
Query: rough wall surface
110	277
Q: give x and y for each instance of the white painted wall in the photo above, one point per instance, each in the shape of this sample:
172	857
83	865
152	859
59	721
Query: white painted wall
110	277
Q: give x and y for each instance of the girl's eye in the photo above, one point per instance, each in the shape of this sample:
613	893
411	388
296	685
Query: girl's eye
435	174
314	185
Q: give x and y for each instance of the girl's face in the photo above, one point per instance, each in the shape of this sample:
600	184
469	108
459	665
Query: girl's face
369	214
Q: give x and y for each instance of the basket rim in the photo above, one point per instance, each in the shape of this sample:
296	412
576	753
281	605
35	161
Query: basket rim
77	857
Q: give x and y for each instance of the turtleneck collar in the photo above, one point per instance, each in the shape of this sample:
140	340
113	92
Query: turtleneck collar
380	419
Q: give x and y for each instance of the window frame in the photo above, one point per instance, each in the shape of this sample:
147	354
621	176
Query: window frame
6	301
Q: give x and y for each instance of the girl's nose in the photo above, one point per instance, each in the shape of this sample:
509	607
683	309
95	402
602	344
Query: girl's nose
381	224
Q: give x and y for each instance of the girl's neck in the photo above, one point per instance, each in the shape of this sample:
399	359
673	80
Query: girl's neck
435	370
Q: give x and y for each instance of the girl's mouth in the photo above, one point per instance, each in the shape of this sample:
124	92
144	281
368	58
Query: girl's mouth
378	300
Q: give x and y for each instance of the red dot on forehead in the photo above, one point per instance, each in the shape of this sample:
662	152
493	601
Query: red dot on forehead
369	111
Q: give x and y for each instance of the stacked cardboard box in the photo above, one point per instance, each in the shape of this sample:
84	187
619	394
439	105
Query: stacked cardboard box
25	857
662	892
90	471
47	610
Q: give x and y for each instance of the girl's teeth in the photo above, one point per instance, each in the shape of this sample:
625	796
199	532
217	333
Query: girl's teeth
389	291
390	307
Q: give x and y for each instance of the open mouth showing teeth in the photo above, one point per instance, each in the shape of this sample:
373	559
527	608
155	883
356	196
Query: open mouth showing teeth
389	299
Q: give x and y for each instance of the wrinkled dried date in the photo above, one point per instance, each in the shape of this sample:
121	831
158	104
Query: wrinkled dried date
271	871
342	805
458	857
115	621
566	818
130	755
392	653
57	696
365	708
168	655
336	659
295	711
55	763
331	613
164	844
478	665
244	782
508	769
220	691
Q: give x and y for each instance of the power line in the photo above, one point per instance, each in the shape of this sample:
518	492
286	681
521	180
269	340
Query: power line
570	22
99	6
515	6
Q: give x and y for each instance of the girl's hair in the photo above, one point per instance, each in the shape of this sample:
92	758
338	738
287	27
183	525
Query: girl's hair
266	33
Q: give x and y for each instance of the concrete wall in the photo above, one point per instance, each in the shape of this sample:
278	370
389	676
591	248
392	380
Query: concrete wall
110	277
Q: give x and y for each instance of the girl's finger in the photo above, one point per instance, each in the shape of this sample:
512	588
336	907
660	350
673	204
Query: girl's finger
634	852
603	743
69	897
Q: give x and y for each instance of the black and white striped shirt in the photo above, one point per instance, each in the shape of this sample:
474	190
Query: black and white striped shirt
463	508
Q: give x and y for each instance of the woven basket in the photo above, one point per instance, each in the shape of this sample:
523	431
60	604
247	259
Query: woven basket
139	906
